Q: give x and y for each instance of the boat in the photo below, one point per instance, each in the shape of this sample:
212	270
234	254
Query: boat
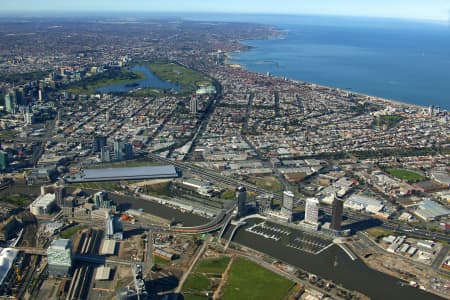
335	263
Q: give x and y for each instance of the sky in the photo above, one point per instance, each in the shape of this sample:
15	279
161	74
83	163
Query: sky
438	10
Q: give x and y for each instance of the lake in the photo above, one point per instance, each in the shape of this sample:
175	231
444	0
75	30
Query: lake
150	81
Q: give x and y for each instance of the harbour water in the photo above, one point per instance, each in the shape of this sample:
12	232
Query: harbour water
150	81
407	61
333	263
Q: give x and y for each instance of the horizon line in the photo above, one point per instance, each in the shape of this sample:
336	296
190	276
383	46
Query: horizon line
80	13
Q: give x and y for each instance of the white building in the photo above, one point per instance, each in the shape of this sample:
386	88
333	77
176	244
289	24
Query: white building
60	257
361	202
312	211
288	204
43	204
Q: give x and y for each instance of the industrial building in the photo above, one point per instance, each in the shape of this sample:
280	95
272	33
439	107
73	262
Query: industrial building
312	211
59	256
288	204
429	210
43	204
361	202
117	174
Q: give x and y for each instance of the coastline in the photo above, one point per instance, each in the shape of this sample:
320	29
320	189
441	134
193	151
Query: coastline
281	34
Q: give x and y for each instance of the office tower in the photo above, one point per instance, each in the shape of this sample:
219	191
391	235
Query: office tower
118	149
128	150
59	195
4	161
18	95
100	198
287	207
98	143
241	198
193	105
10	103
105	154
336	216
59	256
312	211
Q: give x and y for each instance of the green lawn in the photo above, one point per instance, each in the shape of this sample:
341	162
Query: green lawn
270	183
104	185
196	283
389	120
249	281
407	175
68	233
213	265
88	85
159	260
187	78
228	195
18	200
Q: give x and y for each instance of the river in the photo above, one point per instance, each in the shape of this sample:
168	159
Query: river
353	275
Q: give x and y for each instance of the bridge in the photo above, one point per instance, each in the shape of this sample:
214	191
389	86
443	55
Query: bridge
215	224
236	227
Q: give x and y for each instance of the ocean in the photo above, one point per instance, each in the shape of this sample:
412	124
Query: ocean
407	61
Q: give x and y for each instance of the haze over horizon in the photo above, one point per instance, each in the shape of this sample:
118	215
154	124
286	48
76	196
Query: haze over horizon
435	10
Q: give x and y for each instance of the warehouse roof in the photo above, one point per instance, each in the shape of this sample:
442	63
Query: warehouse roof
113	174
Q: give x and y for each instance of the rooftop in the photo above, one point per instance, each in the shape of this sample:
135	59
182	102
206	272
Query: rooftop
112	174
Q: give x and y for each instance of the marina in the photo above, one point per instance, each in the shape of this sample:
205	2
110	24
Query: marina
268	231
309	243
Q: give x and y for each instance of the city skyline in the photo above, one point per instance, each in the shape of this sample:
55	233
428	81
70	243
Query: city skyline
436	10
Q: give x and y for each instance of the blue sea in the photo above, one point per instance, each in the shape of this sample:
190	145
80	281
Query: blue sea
407	61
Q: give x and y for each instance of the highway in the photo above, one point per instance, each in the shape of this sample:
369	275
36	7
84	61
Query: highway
351	215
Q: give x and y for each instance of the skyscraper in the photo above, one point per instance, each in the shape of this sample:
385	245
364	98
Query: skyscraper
59	196
336	216
241	198
118	149
10	103
288	204
98	143
4	162
105	154
193	105
312	211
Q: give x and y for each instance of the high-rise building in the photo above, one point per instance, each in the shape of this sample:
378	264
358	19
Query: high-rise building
312	211
4	161
10	103
287	207
118	149
241	199
100	199
105	154
128	150
18	95
98	143
59	196
193	105
59	256
336	215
